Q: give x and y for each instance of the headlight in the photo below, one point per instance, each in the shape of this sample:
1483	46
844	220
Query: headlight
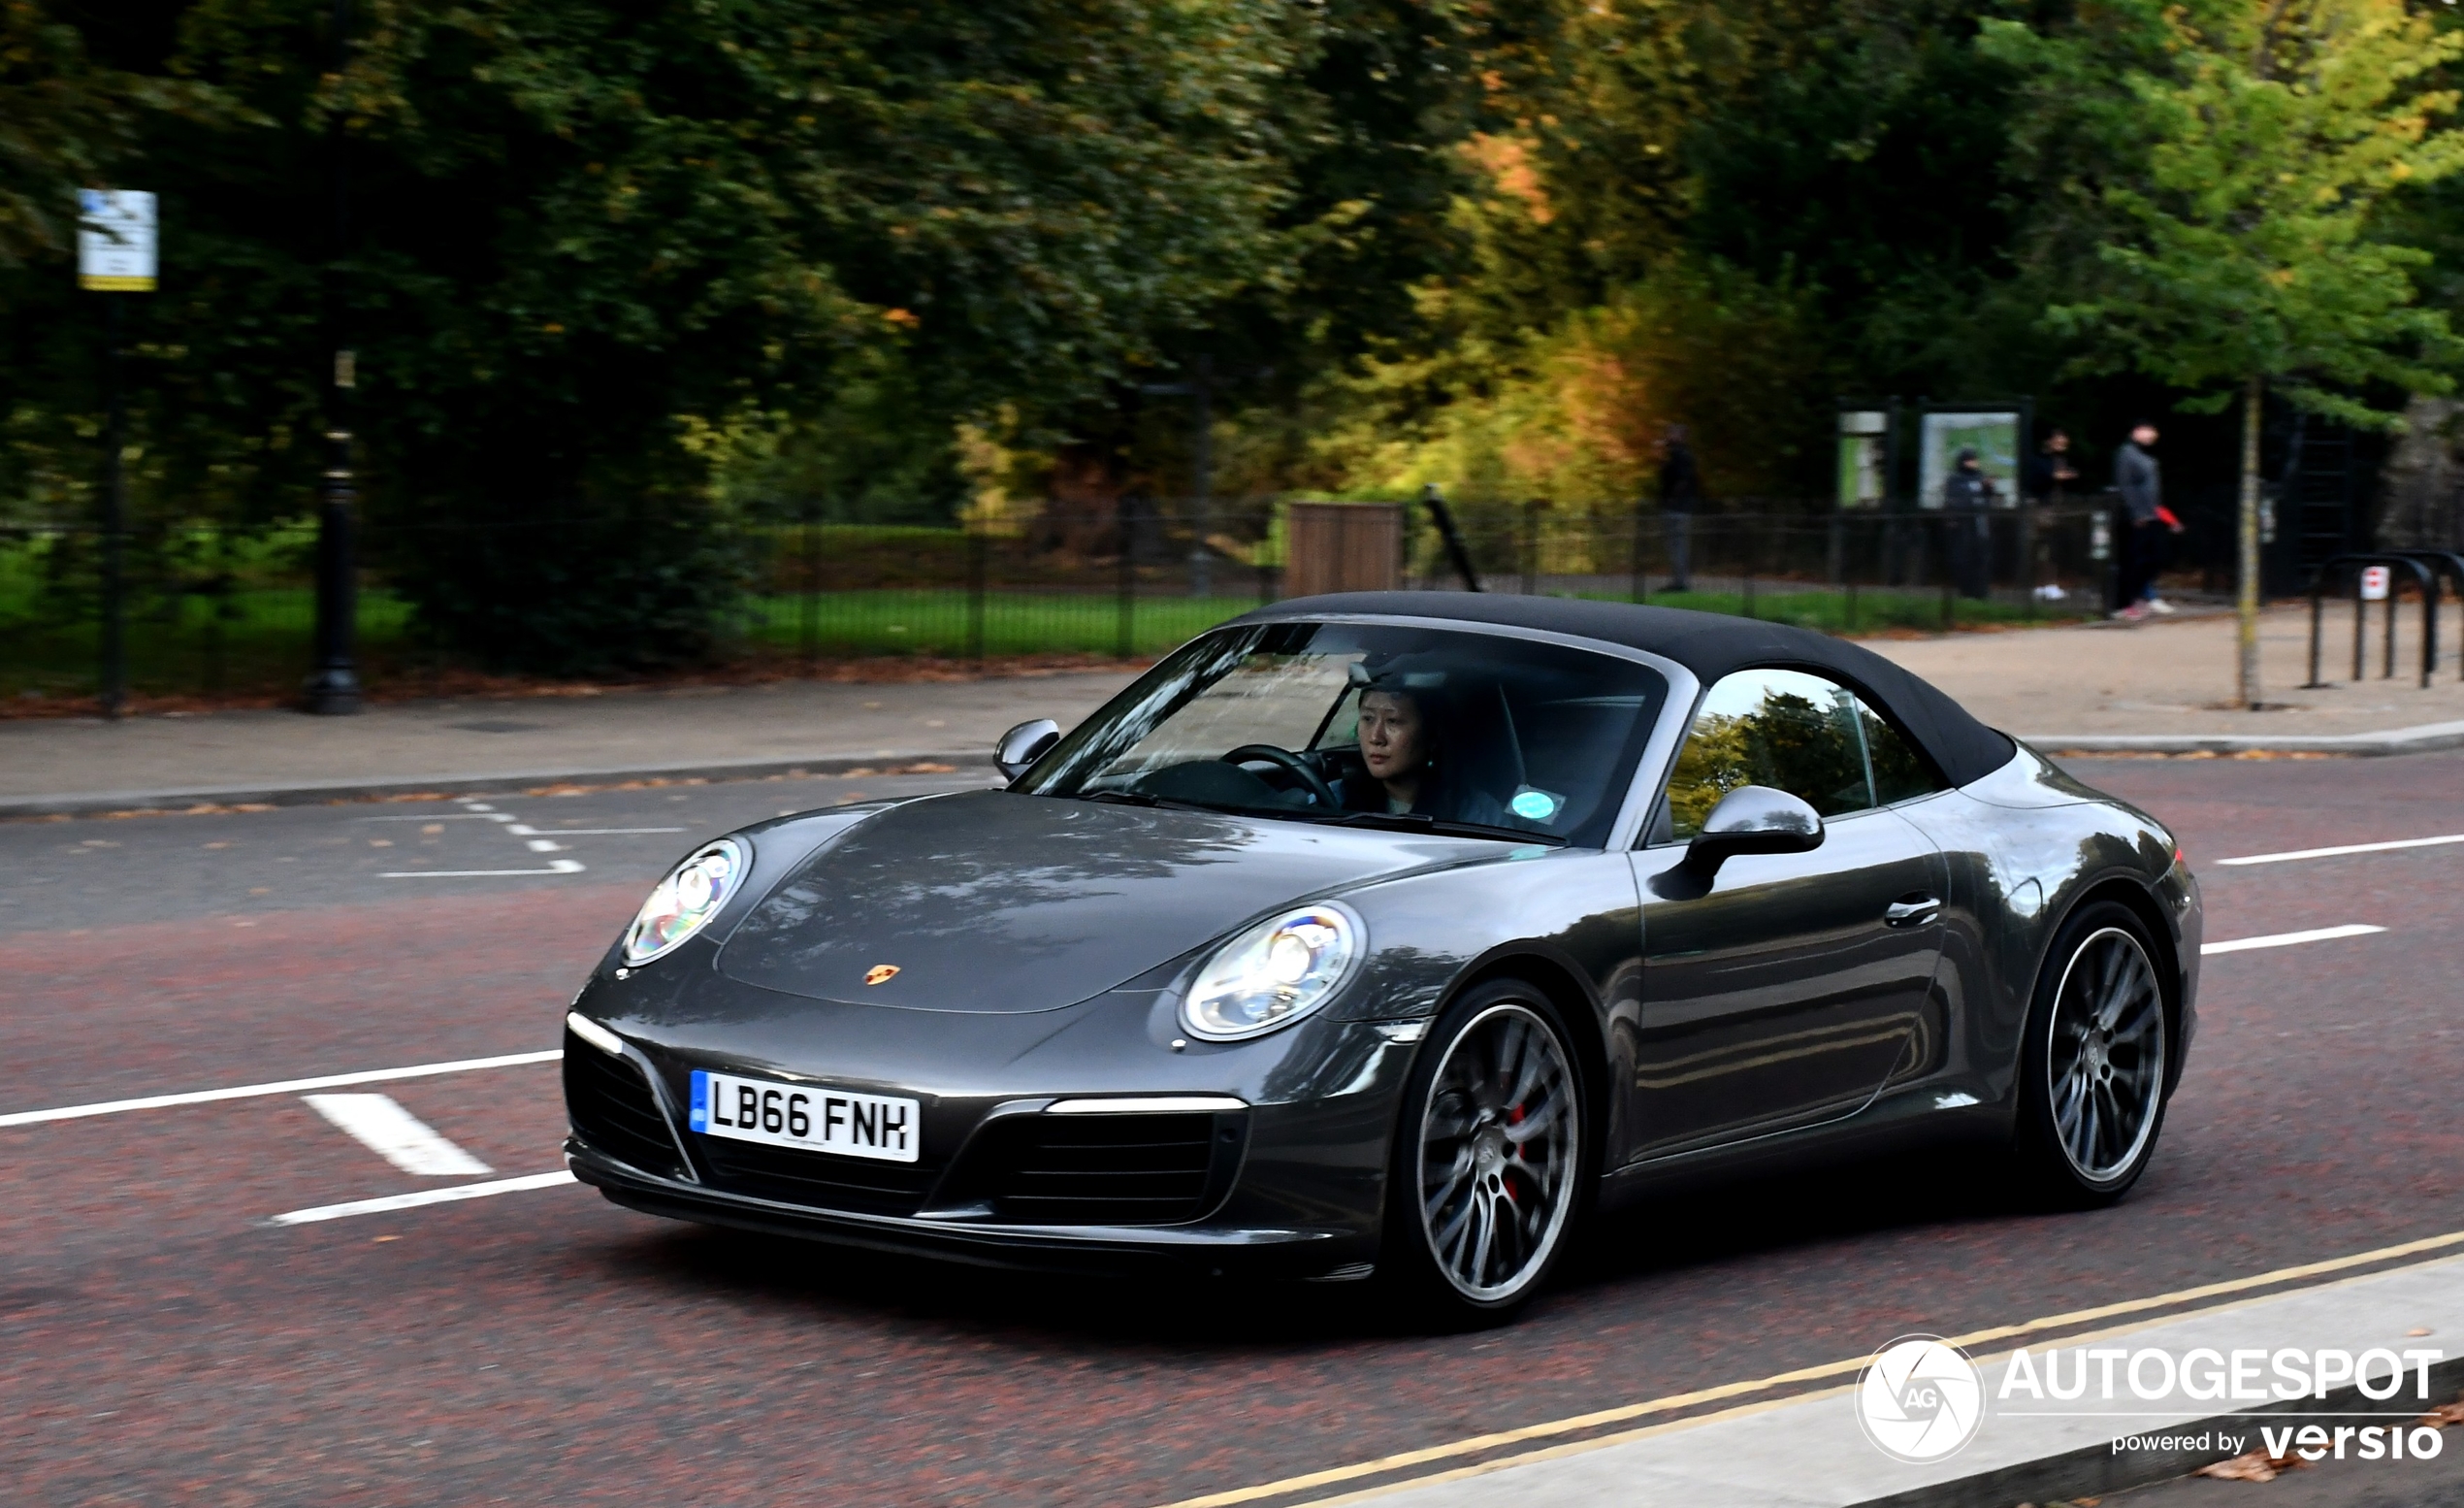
1272	974
685	901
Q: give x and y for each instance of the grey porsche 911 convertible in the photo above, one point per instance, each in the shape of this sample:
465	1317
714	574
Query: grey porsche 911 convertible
1387	936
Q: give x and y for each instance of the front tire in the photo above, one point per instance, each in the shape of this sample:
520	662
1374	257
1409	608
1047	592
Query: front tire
1492	1160
2093	1066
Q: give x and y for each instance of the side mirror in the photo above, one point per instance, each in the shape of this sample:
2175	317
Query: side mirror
1024	746
1753	819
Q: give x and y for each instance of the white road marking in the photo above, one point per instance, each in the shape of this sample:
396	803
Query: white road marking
447	816
2286	939
555	866
466	1190
2347	848
419	1070
522	830
536	845
379	1123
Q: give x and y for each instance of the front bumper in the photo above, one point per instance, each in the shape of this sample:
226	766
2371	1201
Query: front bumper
1284	1174
1213	1246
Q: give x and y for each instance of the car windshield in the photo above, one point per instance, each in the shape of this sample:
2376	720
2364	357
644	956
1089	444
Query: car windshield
1375	725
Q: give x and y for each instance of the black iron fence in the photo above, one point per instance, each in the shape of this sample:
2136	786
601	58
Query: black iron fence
220	612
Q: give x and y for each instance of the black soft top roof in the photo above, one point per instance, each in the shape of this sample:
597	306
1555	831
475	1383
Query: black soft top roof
1710	644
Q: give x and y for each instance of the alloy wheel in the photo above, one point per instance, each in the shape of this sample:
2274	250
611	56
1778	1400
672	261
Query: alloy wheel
2104	1061
1499	1144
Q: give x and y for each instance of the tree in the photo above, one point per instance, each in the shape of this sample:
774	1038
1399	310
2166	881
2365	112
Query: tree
596	244
2237	151
66	119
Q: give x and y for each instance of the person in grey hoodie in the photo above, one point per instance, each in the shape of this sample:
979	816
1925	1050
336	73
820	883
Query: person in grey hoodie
2141	483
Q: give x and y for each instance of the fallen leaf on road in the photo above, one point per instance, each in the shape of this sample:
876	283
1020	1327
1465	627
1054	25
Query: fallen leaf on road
2445	1415
2252	1466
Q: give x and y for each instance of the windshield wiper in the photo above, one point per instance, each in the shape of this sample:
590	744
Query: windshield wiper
1142	798
1419	822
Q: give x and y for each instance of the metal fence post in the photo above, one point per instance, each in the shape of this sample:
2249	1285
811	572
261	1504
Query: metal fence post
2030	577
2318	621
978	546
2360	632
1128	586
1950	587
1747	558
114	533
808	628
1263	553
1641	589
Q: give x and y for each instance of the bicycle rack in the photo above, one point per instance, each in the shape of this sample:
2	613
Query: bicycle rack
2449	562
2423	577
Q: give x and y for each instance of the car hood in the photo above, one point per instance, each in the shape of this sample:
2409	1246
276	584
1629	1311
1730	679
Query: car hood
995	902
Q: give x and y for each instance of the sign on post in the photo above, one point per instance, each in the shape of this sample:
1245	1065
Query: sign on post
1865	439
2373	583
114	241
1995	432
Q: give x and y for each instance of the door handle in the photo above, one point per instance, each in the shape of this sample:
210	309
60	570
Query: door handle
1911	911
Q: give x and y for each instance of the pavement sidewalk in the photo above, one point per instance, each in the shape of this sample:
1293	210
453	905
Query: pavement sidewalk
2168	685
2162	686
1811	1450
475	742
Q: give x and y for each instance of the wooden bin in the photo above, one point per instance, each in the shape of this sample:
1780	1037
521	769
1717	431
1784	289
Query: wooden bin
1342	547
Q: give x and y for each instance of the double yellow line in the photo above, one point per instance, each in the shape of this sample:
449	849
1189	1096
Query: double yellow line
1577	1423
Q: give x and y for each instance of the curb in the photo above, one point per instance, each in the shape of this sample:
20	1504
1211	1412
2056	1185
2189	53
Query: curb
311	793
2096	1470
2423	739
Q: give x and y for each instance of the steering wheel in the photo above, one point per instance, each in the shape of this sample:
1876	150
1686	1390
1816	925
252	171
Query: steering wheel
1308	774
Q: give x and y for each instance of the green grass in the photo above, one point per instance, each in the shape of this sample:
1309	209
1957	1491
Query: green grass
258	643
1015	623
1878	609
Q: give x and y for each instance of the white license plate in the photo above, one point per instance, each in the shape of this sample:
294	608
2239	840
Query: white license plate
801	1115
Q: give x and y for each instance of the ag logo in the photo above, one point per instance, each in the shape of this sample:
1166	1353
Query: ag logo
1920	1400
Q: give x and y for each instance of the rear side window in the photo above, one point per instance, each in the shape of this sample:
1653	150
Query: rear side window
1784	728
1899	772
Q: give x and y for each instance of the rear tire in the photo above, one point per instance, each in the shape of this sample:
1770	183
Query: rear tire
1492	1164
2093	1066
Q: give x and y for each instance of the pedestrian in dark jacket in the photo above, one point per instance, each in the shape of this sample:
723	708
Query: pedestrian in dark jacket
2051	473
1966	493
1680	490
2140	481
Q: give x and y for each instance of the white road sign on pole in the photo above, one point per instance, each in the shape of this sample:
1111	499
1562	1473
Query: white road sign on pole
114	241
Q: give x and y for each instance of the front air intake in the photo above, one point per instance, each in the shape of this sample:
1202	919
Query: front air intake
1140	1169
612	1107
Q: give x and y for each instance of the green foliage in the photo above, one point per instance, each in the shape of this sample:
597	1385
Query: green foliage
602	252
1577	414
66	121
1787	743
2241	153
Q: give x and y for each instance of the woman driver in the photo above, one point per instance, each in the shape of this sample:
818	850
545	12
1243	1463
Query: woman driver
1399	743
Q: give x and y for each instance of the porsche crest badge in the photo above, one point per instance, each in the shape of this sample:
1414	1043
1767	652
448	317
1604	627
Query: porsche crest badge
881	974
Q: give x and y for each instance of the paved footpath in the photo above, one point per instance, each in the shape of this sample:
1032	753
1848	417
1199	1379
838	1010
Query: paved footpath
694	730
2105	686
